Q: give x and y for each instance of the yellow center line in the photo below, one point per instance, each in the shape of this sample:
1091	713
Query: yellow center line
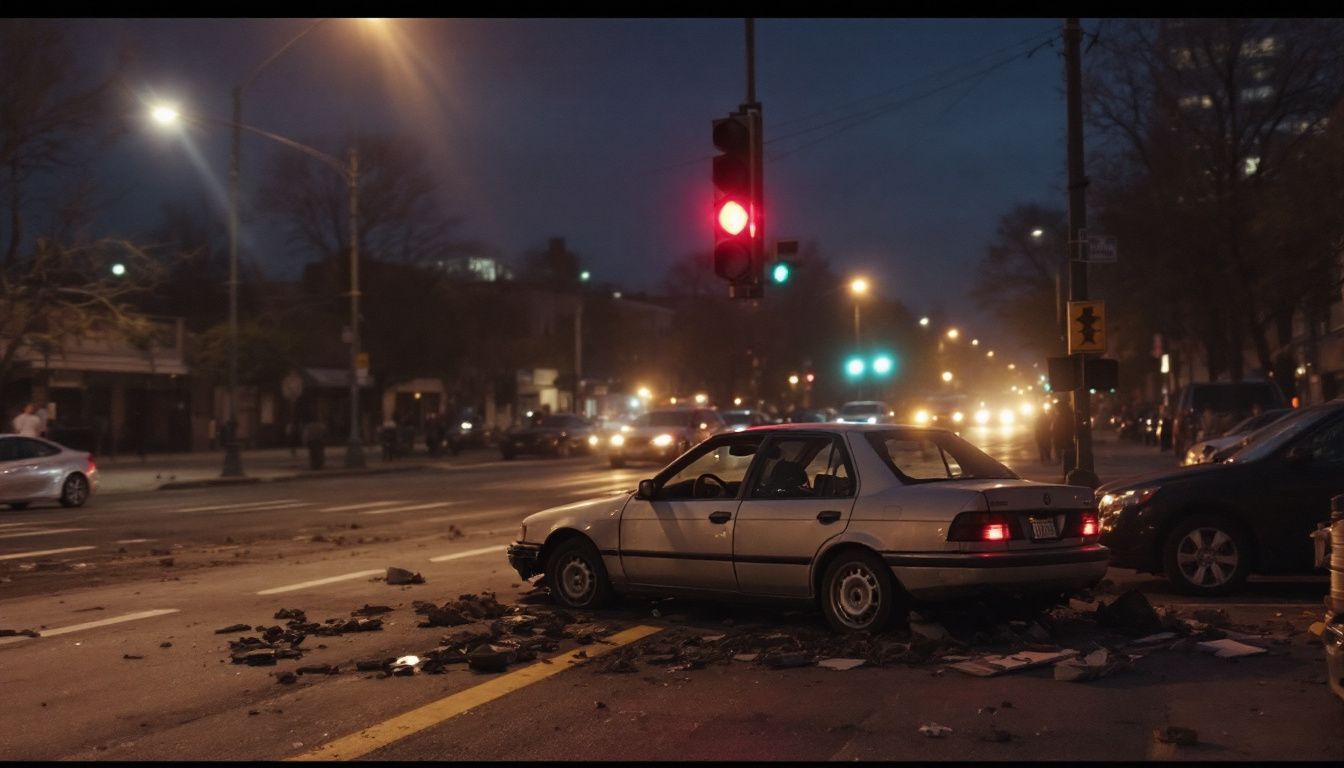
380	735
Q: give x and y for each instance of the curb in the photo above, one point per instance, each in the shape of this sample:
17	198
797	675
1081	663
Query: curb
318	474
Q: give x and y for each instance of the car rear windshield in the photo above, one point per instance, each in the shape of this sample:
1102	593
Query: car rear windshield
739	418
1234	398
861	409
664	419
922	456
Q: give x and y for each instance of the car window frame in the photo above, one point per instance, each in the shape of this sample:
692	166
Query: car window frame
698	452
905	479
758	466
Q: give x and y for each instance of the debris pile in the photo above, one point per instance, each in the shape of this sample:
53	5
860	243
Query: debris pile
402	576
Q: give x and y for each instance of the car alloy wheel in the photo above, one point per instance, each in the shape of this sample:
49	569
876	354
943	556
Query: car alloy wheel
1207	555
860	593
577	576
75	491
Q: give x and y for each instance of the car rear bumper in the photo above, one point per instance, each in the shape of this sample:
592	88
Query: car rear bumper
525	559
939	576
1333	639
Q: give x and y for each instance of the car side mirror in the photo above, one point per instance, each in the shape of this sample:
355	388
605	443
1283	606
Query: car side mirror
647	490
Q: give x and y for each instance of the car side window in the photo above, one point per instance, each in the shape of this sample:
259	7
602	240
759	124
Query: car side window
1327	446
9	449
37	449
715	470
790	465
922	459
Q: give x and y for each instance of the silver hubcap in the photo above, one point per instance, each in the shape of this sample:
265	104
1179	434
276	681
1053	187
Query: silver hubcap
857	597
1207	557
75	490
577	580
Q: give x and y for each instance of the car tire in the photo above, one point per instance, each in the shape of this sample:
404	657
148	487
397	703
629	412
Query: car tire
1207	555
576	575
75	491
18	506
858	593
617	463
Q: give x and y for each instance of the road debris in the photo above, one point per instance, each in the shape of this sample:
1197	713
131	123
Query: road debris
934	730
990	666
131	656
1130	613
1094	665
1230	649
286	678
370	610
1175	734
17	633
233	628
841	664
397	576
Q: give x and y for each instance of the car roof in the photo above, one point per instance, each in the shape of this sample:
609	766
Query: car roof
836	426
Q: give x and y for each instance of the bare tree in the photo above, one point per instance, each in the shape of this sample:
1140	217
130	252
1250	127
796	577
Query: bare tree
1016	279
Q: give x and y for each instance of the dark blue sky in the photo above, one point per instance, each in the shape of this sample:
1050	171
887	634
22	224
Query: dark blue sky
598	130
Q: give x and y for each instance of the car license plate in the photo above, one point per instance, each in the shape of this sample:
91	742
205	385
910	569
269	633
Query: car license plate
1043	529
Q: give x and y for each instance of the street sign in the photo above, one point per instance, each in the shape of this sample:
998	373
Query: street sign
1101	249
1087	326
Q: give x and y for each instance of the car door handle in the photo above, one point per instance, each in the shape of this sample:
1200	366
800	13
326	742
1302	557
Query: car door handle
828	516
720	517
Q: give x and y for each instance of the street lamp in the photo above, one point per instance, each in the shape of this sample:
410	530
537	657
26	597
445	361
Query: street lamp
354	456
947	376
953	333
924	322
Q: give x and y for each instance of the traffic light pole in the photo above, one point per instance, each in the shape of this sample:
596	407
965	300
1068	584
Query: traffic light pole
1082	472
753	109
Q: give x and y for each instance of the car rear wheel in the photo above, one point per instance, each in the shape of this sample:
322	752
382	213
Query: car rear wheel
75	491
576	575
858	593
1207	555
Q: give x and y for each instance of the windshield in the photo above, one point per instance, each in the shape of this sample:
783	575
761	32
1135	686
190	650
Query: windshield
664	419
861	409
921	456
1269	439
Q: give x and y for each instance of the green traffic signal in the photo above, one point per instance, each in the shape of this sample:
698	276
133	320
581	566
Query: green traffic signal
781	273
854	367
882	365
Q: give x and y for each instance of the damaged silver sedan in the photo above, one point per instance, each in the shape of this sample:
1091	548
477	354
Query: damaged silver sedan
859	519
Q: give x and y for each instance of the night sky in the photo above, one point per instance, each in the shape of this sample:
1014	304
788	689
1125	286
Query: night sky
599	130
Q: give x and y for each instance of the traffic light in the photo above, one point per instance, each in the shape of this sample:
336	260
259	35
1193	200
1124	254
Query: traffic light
738	234
786	254
781	272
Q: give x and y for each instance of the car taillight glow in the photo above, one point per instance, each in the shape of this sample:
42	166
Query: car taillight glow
1089	525
90	468
994	532
980	526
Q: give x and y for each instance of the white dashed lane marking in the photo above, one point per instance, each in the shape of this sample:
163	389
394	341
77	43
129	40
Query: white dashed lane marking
365	505
320	582
40	533
412	508
94	624
214	507
44	552
468	553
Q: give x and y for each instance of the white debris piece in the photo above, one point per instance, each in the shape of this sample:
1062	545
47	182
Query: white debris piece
934	730
841	664
1230	649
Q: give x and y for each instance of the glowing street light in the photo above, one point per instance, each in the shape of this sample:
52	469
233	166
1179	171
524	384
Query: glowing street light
119	269
1037	233
975	342
953	333
793	380
924	322
990	353
164	114
947	376
858	286
701	399
644	393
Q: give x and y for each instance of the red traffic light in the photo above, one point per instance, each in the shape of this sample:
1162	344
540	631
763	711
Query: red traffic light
732	217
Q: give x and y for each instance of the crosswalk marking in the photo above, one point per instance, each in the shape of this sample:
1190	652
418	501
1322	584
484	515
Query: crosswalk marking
412	508
43	552
39	533
365	505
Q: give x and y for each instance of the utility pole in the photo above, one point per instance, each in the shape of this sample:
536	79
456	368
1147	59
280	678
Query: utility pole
354	450
1082	472
233	460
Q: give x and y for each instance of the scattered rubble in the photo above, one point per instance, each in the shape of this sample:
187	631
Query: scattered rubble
1230	649
397	576
1175	734
1094	665
934	730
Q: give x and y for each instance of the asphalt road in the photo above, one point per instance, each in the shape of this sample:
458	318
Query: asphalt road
128	665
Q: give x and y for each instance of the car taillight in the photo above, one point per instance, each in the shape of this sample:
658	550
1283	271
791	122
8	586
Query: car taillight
980	526
90	468
1088	525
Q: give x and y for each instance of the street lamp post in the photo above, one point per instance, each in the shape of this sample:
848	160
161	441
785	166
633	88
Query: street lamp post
354	452
858	288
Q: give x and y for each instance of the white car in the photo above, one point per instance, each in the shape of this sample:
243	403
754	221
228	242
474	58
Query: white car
662	435
864	412
1205	451
33	469
858	518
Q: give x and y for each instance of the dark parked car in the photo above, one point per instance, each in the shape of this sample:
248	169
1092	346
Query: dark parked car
1208	527
739	420
1230	401
558	435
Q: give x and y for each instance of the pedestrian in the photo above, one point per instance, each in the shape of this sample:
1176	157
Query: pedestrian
315	436
1062	426
389	438
27	423
1043	436
45	416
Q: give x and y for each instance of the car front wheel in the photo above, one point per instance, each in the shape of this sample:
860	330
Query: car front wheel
75	491
576	575
1207	555
858	593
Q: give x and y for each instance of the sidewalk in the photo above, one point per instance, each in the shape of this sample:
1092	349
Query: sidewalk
171	471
